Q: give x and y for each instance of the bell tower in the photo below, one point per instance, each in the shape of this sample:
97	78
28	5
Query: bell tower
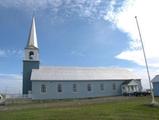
31	58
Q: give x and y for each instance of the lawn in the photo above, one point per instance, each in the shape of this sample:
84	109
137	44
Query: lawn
131	108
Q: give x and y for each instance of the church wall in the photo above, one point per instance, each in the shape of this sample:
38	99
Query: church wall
111	88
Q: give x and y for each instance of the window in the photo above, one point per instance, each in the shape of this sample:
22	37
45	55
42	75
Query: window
89	87
43	88
74	88
59	88
114	86
31	54
101	86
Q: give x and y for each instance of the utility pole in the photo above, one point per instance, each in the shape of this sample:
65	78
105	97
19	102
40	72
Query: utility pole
147	68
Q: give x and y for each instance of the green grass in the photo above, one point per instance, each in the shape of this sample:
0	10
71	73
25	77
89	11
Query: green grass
123	109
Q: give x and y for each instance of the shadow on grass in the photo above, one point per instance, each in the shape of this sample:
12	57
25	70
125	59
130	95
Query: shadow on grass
150	105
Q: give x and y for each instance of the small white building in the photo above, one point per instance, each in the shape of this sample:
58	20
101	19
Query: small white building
130	87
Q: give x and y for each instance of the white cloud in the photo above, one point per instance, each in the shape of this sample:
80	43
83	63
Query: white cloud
10	52
148	17
131	55
84	8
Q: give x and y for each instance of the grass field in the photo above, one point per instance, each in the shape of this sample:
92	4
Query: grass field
109	108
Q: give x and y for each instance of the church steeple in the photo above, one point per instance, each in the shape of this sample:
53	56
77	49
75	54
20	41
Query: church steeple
31	50
32	40
31	59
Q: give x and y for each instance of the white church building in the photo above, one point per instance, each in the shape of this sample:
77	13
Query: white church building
72	82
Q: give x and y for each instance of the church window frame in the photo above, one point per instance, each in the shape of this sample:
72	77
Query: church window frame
59	88
89	87
43	88
74	87
102	87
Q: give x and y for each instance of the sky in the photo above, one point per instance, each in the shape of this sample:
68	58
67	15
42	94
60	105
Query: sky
87	33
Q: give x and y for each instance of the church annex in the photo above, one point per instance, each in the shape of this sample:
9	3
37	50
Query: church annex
72	82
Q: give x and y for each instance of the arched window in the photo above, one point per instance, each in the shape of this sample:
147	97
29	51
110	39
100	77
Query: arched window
43	88
31	54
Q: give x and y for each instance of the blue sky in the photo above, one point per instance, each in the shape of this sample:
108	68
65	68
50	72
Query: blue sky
94	33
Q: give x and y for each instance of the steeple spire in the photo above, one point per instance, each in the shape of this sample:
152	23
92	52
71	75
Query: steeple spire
32	40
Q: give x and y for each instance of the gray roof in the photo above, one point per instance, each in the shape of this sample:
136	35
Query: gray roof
126	82
156	79
81	73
